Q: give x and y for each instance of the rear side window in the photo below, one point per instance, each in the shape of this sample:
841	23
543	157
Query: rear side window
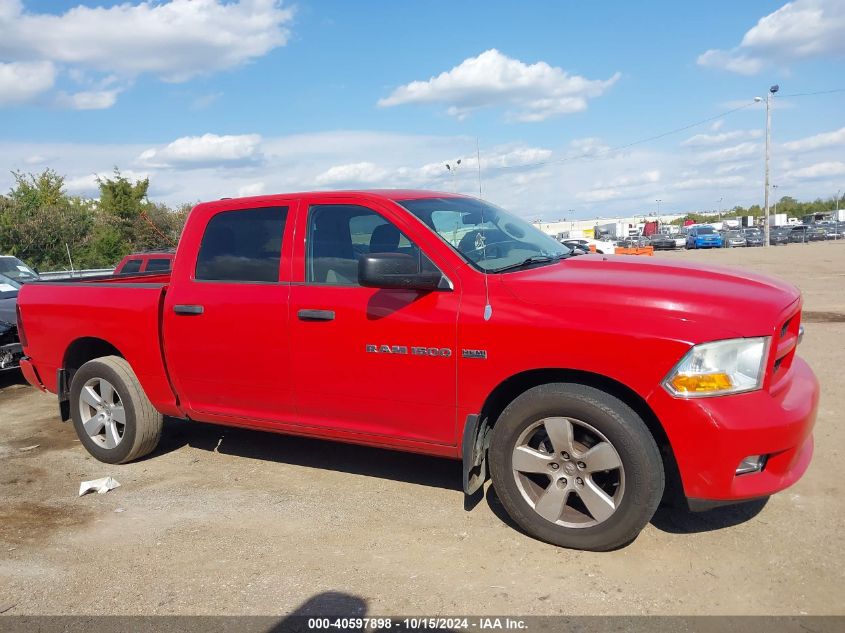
132	266
158	263
242	245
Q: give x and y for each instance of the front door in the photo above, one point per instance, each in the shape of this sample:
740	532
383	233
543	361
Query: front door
369	360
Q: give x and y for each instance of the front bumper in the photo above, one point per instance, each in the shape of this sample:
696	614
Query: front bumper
710	436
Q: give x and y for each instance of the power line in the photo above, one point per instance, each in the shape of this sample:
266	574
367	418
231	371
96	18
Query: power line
618	148
809	94
608	152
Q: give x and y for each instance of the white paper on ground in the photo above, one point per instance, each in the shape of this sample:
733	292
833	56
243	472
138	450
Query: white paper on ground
99	486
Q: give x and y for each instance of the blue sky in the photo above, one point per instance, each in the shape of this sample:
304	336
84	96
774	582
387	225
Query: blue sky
210	98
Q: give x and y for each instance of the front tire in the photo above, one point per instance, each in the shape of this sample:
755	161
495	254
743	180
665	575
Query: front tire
576	467
113	418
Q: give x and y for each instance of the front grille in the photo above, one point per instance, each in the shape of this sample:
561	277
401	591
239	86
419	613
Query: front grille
785	342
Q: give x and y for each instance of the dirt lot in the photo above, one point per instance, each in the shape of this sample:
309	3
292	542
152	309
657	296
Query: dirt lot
229	521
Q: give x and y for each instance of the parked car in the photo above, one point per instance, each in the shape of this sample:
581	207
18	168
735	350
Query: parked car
635	241
661	241
733	239
10	347
13	268
602	247
817	233
803	233
576	247
753	237
703	236
145	262
779	235
832	232
382	318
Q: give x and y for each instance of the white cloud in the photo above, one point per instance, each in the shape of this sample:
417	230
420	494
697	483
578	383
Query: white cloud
86	185
598	195
352	173
701	140
734	62
21	81
174	40
819	170
208	150
531	92
589	146
734	152
707	183
798	30
251	189
732	168
826	139
89	99
609	183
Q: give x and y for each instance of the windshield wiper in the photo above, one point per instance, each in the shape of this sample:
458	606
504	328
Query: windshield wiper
534	259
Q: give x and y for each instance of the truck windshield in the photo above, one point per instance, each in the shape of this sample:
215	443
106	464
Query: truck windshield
488	237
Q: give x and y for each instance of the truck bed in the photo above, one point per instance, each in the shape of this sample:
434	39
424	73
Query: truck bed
60	317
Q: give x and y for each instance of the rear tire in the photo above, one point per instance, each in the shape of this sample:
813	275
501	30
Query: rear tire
113	418
576	467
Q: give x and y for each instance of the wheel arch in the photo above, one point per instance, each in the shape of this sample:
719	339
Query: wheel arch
79	352
510	388
84	349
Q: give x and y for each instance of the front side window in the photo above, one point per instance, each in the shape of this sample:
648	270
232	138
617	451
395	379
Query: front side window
243	245
339	234
488	237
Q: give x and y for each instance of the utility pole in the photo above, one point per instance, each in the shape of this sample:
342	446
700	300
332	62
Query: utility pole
769	96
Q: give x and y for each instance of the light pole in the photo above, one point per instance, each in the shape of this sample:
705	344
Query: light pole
769	96
454	171
720	208
836	216
775	208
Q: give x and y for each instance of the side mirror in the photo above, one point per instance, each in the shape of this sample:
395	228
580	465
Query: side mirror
399	271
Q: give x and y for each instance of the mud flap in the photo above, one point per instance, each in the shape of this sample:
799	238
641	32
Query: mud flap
475	445
63	394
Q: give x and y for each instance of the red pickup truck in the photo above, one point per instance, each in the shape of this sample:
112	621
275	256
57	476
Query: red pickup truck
441	324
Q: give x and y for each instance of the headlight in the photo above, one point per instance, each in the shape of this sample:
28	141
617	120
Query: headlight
719	368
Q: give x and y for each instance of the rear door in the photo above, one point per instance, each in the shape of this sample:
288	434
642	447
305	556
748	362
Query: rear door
226	322
369	360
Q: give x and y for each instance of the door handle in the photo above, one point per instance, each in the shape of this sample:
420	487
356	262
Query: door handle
188	310
316	315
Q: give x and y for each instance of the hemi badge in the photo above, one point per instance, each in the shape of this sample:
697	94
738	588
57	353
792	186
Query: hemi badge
474	353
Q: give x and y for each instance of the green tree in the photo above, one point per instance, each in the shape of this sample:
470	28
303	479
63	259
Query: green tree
39	222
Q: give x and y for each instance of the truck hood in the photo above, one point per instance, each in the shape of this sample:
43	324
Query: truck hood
727	301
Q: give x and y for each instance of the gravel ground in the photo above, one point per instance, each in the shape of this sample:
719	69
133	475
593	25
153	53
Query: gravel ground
225	521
